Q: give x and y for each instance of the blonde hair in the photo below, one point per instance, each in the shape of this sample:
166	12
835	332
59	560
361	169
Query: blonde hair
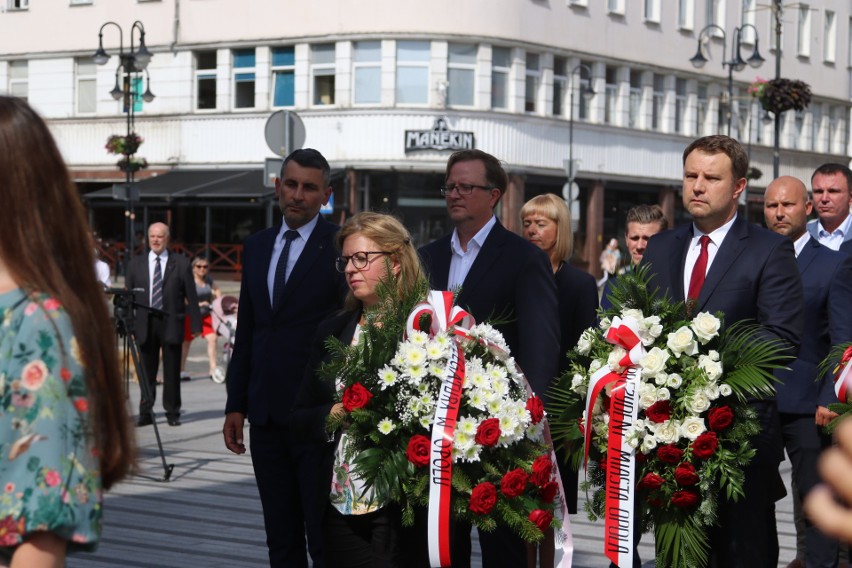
555	209
390	235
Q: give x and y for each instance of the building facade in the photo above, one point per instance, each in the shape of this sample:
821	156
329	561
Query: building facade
387	89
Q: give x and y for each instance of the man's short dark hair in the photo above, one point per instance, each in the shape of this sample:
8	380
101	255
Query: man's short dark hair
834	168
495	175
647	214
309	158
725	144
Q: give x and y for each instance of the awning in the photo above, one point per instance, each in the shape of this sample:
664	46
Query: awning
195	185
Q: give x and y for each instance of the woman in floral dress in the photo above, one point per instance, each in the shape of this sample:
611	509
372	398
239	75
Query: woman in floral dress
64	429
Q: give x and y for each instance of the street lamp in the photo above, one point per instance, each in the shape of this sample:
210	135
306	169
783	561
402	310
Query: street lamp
586	91
130	64
735	63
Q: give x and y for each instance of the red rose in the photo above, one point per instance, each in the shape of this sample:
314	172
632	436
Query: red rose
705	445
655	502
356	396
846	355
685	498
602	465
536	409
418	450
659	412
720	418
548	491
483	498
488	432
669	453
542	470
651	481
514	483
685	474
541	519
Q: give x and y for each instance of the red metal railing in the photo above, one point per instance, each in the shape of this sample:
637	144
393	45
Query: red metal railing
223	257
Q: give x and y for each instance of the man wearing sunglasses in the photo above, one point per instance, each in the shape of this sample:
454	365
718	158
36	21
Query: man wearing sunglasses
501	277
289	285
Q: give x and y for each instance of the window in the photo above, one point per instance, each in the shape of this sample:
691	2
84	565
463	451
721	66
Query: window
86	71
829	37
803	44
701	110
501	64
136	90
205	80
533	75
322	71
19	79
817	142
611	95
635	107
680	105
748	17
412	72
461	74
17	4
283	76
652	11
560	85
659	102
615	7
716	15
244	78
686	14
367	72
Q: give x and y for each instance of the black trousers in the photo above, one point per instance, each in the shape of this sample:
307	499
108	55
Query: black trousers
362	541
150	355
287	476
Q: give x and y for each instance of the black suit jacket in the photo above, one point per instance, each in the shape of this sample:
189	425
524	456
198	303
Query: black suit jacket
577	293
271	347
510	279
179	297
827	282
845	247
753	277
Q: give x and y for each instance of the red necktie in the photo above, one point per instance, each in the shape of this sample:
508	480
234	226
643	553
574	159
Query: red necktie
699	270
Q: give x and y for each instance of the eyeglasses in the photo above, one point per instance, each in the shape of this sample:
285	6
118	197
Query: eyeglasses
204	266
462	188
360	260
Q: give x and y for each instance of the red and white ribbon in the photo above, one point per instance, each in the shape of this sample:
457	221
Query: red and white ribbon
843	382
444	315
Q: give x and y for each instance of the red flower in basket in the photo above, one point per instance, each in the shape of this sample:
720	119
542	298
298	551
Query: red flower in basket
548	491
356	396
541	519
685	474
542	471
418	450
651	481
514	483
720	418
705	445
670	453
659	412
535	408
483	498
488	432
685	498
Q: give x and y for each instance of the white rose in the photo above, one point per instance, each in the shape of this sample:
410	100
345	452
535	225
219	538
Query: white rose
712	368
595	365
577	380
647	399
632	313
725	390
605	324
653	325
615	356
674	381
713	354
712	391
698	403
654	362
648	444
692	427
682	341
661	379
663	394
706	326
584	344
667	432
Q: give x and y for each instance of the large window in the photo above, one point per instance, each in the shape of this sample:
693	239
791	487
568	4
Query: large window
205	80
680	105
86	74
803	43
283	76
461	74
701	110
560	85
533	78
501	66
367	72
412	72
615	7
323	73
635	106
816	142
581	81
652	11
611	94
716	15
686	14
19	79
749	16
244	78
659	102
829	37
18	4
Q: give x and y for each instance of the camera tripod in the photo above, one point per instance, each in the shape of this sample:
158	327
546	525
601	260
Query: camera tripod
123	311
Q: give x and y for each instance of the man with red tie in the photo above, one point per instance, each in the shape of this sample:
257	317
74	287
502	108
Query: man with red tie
721	263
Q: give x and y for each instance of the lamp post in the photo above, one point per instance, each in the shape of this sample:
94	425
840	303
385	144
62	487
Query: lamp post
735	63
131	63
586	91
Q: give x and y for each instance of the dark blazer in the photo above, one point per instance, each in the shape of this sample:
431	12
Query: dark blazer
846	247
512	280
827	282
753	277
179	297
577	293
272	347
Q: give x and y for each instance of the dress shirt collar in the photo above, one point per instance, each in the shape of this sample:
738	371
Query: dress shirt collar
840	231
304	231
716	236
152	257
478	239
799	244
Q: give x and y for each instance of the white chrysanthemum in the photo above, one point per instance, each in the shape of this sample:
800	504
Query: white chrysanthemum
668	432
674	381
536	432
725	389
706	326
467	424
648	444
412	354
500	387
435	351
654	362
663	394
692	427
426	421
682	341
418	338
584	344
387	377
471	454
442	339
416	372
478	379
497	372
509	424
476	399
698	403
414	406
495	405
386	426
463	441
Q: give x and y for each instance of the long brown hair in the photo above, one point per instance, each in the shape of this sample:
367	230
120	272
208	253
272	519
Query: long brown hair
45	245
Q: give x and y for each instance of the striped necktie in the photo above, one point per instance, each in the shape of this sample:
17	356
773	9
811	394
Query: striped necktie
157	287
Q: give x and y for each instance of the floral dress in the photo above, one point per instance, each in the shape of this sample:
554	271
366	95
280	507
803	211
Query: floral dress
49	477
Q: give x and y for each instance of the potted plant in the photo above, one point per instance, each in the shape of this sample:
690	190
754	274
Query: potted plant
127	145
779	95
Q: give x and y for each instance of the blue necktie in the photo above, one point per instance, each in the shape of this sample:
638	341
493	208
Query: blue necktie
157	287
281	269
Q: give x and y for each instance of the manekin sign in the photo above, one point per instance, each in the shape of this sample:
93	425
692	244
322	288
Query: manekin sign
439	138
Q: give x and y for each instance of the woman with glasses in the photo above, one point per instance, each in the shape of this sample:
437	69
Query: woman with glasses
357	530
207	292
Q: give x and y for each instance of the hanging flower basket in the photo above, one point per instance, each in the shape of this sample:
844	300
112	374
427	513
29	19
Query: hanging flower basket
132	164
779	95
127	145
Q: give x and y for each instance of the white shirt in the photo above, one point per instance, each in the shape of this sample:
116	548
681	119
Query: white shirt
834	239
102	273
296	248
152	262
461	260
799	244
716	238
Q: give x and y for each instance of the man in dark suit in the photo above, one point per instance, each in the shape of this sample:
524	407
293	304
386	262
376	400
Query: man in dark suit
832	197
502	277
168	287
802	399
720	262
289	285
